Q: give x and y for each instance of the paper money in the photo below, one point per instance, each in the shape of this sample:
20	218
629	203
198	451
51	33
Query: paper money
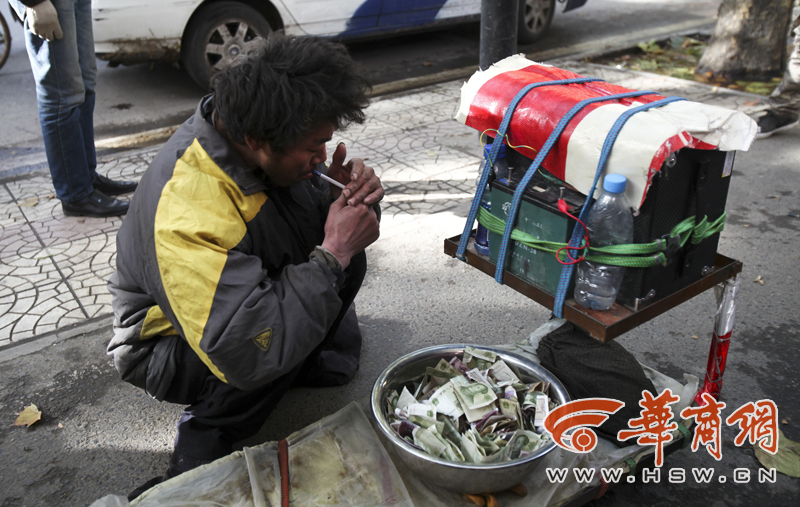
503	373
478	376
426	439
510	393
542	409
424	415
458	365
450	431
472	396
474	453
439	378
508	407
529	402
446	401
485	419
485	355
446	367
471	450
522	444
471	409
405	399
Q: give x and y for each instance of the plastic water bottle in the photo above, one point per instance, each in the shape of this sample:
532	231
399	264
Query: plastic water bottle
501	173
610	223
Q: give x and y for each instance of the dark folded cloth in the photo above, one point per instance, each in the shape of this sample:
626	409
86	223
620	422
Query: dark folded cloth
592	369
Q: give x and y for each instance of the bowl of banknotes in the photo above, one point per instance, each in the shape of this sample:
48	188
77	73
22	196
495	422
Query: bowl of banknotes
468	418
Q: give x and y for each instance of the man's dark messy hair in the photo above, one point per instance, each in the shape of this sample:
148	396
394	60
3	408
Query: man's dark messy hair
286	87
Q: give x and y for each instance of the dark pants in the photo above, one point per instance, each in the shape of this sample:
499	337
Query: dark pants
219	415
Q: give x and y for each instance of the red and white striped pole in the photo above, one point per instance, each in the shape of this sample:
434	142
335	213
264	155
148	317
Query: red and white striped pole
726	293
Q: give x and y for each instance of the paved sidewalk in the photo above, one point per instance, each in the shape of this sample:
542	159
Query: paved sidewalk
54	268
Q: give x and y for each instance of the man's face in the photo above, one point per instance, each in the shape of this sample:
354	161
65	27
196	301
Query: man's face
297	162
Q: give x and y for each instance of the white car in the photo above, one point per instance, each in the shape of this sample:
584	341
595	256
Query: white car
206	35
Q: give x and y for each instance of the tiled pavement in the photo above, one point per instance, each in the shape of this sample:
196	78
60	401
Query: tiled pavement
54	268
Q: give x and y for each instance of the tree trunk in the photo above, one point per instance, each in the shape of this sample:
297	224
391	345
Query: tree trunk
749	41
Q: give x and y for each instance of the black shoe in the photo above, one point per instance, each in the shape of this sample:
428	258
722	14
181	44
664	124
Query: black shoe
773	122
144	487
96	204
179	463
111	187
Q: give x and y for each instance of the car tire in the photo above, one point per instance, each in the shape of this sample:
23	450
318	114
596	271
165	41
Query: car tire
535	17
205	51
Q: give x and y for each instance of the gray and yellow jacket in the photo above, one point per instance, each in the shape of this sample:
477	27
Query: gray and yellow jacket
212	253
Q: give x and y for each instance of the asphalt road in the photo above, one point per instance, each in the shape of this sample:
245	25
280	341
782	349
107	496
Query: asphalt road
143	97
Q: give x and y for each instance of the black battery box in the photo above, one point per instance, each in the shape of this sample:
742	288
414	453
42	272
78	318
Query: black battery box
691	182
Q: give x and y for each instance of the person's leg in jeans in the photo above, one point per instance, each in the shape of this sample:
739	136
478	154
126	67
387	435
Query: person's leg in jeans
65	78
66	74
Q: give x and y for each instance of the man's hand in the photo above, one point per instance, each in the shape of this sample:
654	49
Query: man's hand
349	230
361	183
43	21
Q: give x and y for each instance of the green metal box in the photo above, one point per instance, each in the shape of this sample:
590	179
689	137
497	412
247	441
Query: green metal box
538	216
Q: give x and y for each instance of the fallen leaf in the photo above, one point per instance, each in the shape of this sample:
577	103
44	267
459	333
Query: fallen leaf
784	421
785	461
752	103
491	501
52	195
759	280
30	415
476	499
29	203
773	197
431	153
60	426
427	64
695	337
745	225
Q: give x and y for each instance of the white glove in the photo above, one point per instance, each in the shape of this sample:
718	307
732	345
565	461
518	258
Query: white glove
43	21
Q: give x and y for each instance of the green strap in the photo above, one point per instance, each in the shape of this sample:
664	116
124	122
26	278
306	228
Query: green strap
687	435
631	465
642	255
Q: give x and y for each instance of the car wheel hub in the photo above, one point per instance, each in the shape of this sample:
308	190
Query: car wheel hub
536	14
227	41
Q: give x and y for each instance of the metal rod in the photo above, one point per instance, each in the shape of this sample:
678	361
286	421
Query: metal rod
498	30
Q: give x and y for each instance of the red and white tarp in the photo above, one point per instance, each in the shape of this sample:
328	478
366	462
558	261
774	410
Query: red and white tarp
643	144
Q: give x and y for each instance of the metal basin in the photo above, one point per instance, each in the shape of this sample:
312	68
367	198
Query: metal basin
460	477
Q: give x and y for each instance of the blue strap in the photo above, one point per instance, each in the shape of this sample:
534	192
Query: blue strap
577	232
554	135
501	133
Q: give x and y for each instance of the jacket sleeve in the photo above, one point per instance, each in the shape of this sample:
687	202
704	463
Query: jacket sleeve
247	327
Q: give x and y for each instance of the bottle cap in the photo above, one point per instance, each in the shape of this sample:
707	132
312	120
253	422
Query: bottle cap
488	149
615	183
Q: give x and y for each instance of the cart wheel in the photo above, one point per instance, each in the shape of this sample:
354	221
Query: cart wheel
5	40
218	34
535	17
